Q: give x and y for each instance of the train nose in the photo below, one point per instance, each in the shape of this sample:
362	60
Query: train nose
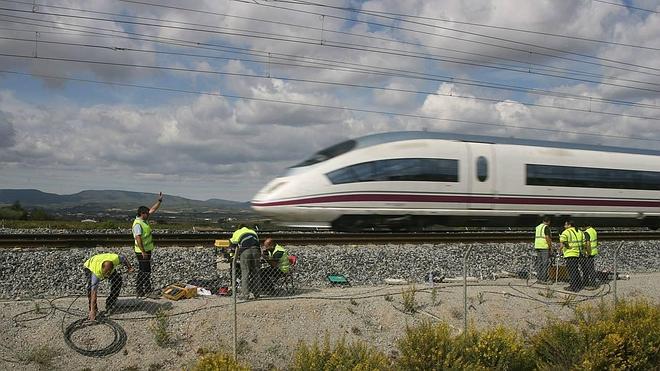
268	195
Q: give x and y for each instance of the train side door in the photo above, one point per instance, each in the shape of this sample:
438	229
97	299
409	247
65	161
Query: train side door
481	175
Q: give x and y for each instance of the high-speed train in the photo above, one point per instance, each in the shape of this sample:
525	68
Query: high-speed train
415	180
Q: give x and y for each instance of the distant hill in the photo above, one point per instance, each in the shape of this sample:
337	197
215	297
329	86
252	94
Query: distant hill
110	199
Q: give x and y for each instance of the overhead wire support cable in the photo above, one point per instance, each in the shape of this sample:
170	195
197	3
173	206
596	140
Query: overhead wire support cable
314	42
373	12
292	79
331	64
315	105
463	39
626	6
376	12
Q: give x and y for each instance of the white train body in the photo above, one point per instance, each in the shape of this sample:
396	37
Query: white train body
416	179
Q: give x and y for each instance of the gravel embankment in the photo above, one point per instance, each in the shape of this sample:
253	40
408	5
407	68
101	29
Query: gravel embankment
49	273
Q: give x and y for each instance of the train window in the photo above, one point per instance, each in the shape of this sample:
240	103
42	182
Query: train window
482	169
587	177
328	153
400	169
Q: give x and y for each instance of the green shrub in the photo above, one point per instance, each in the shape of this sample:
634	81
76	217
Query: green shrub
602	338
160	329
356	356
557	345
408	297
623	338
498	348
219	362
428	347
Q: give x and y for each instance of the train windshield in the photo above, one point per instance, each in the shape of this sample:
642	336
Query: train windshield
328	153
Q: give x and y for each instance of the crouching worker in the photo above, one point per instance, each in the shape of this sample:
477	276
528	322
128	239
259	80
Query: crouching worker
98	268
278	261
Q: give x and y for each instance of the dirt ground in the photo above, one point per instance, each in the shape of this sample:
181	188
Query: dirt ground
270	328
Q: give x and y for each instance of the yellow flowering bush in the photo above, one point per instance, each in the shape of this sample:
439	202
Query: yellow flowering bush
340	356
219	362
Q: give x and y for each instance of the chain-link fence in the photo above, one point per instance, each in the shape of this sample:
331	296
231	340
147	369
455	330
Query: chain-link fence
260	305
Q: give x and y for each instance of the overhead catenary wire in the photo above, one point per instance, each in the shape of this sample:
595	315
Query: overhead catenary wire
627	6
517	70
462	39
370	37
314	105
483	25
293	79
343	45
337	65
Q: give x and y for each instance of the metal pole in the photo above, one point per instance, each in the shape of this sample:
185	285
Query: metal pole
616	274
530	267
465	308
234	294
556	267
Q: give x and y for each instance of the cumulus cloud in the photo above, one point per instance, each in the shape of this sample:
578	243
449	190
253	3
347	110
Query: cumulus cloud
7	132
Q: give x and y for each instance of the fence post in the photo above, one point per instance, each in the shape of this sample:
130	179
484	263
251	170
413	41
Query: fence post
530	266
556	255
465	308
234	294
616	274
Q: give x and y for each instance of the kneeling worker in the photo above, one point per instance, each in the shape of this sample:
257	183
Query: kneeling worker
277	258
98	268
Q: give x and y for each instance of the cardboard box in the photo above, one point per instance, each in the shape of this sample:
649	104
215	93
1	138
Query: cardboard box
179	291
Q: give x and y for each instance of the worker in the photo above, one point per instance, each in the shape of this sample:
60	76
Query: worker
278	263
245	242
144	246
591	250
572	241
97	268
543	247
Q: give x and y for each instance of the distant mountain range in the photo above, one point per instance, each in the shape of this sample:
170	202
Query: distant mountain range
110	199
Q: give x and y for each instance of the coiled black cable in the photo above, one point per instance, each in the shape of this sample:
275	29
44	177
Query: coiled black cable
115	346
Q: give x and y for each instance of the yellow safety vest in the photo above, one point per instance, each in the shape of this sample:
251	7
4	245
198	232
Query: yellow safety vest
575	241
95	264
283	264
539	241
593	240
238	236
147	240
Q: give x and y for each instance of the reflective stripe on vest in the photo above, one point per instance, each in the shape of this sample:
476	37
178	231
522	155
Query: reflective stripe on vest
283	264
539	242
147	240
593	240
574	239
95	263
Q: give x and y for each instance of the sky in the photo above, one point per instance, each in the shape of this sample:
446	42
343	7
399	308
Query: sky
212	99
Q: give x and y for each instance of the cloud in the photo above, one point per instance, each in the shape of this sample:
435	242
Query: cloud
7	132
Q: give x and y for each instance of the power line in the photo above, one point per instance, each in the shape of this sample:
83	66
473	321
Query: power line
625	6
418	31
371	12
290	79
458	38
361	48
523	64
331	65
315	105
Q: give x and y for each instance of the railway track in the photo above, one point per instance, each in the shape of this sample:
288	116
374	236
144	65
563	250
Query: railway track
291	238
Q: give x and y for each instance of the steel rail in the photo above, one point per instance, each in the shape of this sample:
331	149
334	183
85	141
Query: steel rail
82	240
